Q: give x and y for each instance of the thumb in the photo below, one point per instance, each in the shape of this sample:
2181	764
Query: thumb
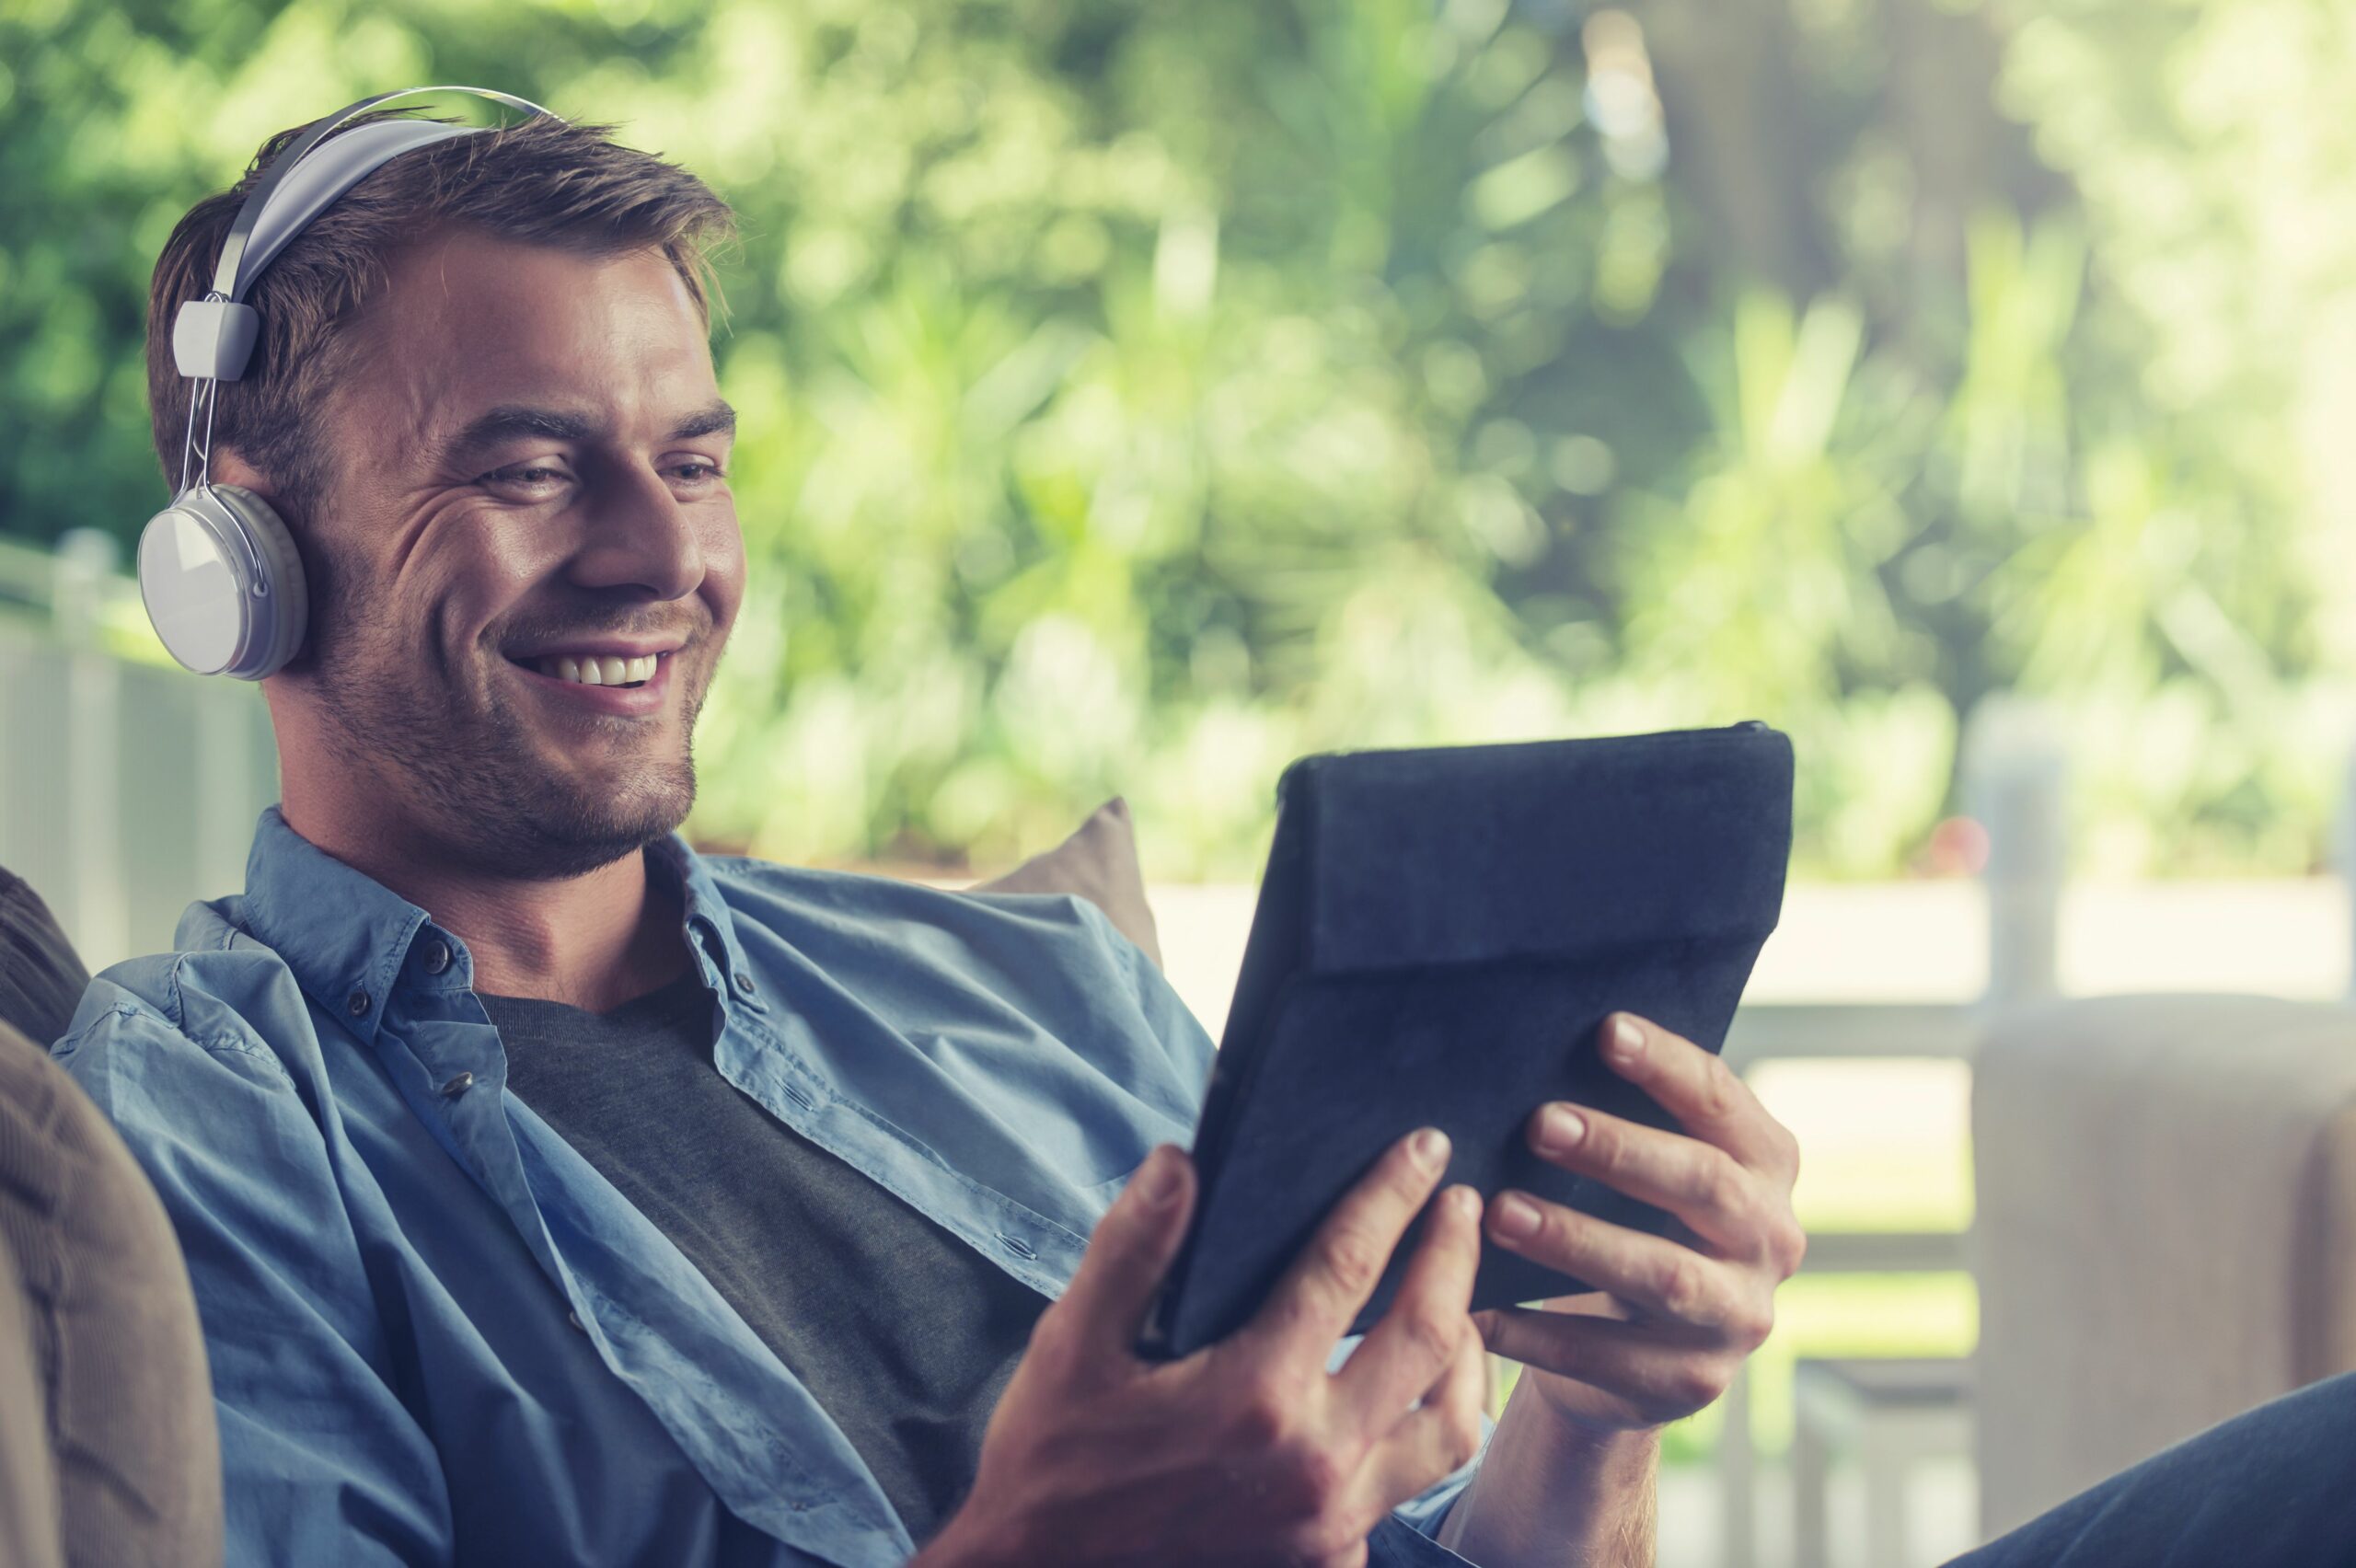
1127	1254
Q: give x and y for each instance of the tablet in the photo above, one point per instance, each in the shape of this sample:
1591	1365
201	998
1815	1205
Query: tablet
1439	935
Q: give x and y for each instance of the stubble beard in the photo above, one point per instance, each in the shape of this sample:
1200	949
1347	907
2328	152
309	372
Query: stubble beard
466	774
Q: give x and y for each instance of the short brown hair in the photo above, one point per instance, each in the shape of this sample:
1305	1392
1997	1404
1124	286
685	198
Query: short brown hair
542	181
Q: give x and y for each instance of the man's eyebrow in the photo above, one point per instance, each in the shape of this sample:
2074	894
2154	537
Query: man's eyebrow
716	419
517	423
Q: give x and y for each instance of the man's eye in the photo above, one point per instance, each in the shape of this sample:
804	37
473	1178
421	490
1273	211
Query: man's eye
698	473
528	476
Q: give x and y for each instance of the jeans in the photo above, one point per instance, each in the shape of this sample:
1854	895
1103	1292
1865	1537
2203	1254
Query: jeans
2273	1488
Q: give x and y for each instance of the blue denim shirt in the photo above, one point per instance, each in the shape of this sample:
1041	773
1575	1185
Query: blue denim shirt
437	1335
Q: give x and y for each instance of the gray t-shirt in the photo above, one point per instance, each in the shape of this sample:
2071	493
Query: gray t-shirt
903	1332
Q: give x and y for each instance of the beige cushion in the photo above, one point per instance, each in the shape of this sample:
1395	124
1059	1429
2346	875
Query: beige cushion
28	1521
104	1308
97	1302
2165	1232
1100	864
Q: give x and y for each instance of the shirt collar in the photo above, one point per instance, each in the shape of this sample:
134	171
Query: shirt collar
344	934
347	937
709	919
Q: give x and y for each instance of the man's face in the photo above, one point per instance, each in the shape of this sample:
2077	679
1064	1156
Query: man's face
527	490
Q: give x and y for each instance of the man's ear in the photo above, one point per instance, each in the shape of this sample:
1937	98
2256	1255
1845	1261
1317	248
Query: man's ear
230	467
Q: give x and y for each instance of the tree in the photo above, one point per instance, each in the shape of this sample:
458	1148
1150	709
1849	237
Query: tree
1138	395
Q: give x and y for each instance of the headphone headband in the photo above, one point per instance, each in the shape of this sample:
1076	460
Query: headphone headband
226	281
214	337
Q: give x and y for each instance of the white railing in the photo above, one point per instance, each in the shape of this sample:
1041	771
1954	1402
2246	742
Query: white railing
126	786
2016	787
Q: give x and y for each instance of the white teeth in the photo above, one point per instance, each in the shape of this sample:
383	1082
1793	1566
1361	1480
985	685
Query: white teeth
600	669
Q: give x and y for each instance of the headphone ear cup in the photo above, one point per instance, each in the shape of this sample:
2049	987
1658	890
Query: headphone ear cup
282	612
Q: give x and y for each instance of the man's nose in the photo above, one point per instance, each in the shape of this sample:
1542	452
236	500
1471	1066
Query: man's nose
639	537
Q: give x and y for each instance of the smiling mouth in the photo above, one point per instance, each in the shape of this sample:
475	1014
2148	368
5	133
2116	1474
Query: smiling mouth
597	670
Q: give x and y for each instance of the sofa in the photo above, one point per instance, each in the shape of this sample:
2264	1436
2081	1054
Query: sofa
2165	1236
108	1452
2165	1232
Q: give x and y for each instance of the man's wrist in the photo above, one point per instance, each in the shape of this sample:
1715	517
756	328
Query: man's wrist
966	1541
1556	1492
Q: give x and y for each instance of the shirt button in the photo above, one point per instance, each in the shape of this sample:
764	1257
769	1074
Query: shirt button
437	958
575	1319
357	1004
457	1086
744	983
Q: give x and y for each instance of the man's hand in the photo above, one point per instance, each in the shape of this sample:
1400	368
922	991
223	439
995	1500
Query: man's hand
1569	1476
1248	1451
1680	1311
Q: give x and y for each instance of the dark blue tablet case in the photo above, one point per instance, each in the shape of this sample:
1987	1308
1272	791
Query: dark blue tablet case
1439	935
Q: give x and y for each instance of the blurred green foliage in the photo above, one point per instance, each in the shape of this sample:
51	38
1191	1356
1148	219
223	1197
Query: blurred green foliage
1138	395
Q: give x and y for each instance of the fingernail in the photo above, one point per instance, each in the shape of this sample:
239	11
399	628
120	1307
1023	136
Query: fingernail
1430	1148
1627	1041
1462	1200
1559	1127
1513	1216
1156	1178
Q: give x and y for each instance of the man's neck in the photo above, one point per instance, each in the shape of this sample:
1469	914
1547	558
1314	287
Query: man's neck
593	941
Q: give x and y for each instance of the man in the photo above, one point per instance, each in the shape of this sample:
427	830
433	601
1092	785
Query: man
554	1193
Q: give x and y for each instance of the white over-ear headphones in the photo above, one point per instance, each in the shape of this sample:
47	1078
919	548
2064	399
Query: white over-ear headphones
217	569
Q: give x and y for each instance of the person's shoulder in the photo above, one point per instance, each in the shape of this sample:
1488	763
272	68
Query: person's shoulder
217	992
1053	956
742	877
761	887
1022	947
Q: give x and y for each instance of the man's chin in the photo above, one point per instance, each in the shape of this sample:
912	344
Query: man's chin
568	830
515	795
545	818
